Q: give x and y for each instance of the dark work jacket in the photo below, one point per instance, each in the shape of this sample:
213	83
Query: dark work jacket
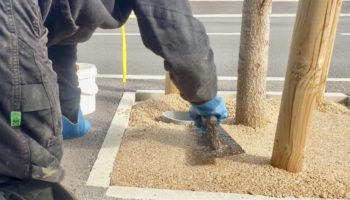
167	28
72	21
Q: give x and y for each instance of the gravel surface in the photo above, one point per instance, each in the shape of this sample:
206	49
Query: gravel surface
155	154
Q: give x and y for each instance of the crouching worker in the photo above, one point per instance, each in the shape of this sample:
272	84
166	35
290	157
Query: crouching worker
167	28
38	49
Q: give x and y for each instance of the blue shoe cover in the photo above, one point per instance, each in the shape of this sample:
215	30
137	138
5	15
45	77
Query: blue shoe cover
74	130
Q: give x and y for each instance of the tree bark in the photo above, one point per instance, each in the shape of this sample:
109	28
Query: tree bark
308	53
253	61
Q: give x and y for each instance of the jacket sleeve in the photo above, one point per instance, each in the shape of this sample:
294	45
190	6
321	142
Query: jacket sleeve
169	29
74	21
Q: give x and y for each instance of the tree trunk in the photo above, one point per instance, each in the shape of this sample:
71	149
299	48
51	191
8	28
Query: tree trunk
170	87
253	61
334	20
308	53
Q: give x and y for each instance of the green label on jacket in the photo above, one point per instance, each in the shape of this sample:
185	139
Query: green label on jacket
16	118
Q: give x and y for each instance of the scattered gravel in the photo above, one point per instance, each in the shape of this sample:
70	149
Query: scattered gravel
333	107
155	154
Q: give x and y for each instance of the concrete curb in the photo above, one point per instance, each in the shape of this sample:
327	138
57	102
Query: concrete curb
100	174
162	194
142	95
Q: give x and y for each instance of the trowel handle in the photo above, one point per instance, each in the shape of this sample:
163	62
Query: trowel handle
210	121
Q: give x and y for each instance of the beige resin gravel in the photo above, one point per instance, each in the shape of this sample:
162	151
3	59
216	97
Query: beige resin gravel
155	154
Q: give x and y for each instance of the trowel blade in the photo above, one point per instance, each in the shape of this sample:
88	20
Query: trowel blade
214	142
227	145
224	145
206	153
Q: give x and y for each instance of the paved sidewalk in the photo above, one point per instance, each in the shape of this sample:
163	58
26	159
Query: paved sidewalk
80	154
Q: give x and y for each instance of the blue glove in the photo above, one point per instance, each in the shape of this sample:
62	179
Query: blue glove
74	130
215	107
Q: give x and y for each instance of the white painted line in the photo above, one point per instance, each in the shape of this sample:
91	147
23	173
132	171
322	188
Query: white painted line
344	15
336	97
114	34
218	0
138	34
100	174
240	15
162	194
132	77
218	15
282	15
242	0
210	34
224	34
221	78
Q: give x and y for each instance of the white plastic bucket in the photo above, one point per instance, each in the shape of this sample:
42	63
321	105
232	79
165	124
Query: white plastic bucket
87	83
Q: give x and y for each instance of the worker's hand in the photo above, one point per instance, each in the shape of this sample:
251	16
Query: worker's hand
215	107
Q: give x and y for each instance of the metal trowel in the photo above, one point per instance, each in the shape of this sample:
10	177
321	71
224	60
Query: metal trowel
214	142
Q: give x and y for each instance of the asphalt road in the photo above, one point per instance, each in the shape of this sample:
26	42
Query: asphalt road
104	48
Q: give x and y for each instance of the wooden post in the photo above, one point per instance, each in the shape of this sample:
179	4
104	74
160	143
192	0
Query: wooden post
170	87
323	83
312	31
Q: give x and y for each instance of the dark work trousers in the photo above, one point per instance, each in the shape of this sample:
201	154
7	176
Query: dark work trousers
33	190
64	59
30	117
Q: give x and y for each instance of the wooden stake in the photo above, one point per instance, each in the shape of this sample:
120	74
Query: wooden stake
327	63
170	87
312	31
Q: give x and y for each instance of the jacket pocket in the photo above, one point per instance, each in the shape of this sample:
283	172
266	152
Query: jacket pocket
38	122
34	98
38	119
